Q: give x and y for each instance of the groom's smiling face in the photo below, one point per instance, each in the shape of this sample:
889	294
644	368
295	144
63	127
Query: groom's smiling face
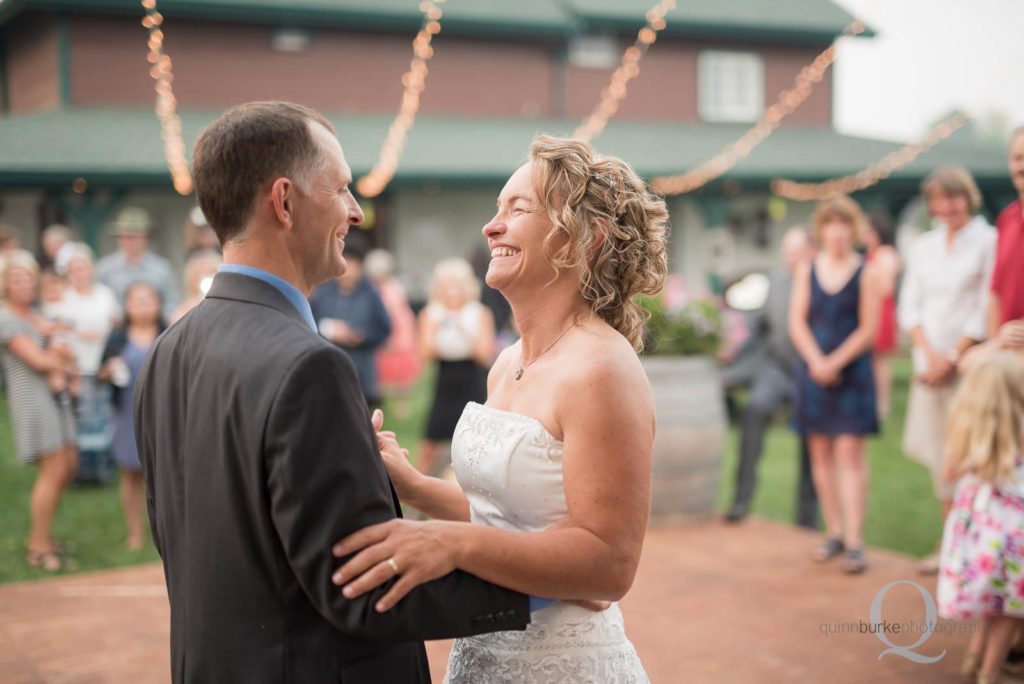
516	235
325	210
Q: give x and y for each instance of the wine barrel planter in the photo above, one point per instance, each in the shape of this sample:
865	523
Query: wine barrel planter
690	440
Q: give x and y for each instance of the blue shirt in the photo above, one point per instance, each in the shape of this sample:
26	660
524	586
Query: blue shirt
290	292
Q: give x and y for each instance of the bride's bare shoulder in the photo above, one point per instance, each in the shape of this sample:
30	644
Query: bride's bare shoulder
603	357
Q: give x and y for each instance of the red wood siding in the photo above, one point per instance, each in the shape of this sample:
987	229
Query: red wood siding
221	64
32	63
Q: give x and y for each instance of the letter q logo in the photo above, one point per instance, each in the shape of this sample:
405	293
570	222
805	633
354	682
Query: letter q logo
930	614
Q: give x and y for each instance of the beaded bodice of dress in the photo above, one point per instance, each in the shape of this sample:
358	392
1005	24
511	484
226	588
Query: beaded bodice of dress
510	468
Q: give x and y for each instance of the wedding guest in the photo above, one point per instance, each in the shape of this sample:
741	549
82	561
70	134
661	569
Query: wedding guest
833	319
879	239
349	312
981	572
125	351
54	238
457	334
133	262
768	360
398	361
200	269
91	309
44	429
942	307
1006	297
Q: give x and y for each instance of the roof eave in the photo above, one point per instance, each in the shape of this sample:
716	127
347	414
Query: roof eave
351	18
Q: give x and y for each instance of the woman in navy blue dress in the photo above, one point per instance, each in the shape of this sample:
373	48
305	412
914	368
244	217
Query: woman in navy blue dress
833	320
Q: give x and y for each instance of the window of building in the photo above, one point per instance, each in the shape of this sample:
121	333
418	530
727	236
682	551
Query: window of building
730	86
594	52
287	39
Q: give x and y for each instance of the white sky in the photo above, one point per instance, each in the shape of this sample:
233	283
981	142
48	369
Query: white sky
929	57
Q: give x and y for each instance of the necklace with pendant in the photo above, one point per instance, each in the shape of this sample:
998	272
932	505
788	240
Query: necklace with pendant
522	369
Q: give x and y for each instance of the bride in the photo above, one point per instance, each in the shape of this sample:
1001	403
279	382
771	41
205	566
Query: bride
554	470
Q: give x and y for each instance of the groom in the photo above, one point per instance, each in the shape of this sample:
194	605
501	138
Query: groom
257	444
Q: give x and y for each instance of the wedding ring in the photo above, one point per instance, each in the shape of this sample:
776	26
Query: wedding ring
394	566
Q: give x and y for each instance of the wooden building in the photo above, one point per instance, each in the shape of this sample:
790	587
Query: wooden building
79	139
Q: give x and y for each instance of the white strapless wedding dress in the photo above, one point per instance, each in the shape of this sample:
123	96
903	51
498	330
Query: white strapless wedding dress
510	468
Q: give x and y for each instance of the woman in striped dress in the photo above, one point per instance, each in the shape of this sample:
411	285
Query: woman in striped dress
44	427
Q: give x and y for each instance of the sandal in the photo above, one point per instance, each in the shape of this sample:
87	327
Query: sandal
64	547
854	563
830	548
971	665
50	561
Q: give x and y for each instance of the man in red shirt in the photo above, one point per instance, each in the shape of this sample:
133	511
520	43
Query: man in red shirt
1006	301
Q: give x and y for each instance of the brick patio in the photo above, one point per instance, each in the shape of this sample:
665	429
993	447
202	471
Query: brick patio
710	604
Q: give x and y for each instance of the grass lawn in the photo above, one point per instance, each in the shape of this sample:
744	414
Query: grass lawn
902	513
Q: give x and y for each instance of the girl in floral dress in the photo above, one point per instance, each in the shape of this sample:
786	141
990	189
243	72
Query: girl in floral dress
981	571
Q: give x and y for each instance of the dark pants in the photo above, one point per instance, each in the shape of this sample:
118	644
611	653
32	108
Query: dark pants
770	390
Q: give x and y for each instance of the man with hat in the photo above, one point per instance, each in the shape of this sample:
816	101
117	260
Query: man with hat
133	262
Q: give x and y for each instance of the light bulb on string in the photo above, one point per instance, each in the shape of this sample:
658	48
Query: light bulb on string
873	174
413	84
786	103
629	68
165	106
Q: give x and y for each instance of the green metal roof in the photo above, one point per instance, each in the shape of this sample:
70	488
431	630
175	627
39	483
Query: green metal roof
530	18
122	147
786	20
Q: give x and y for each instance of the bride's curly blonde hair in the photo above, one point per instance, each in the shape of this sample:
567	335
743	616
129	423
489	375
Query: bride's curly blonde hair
616	229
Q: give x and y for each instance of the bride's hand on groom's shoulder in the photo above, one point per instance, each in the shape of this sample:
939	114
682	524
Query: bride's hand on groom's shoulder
415	552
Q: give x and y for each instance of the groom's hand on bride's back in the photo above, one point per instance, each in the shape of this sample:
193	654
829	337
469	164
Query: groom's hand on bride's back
417	552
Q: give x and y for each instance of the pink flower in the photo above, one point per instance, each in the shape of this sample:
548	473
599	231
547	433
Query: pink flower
986	563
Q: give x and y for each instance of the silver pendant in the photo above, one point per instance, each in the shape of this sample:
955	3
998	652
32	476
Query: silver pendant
519	373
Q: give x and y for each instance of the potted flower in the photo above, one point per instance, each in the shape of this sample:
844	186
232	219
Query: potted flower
680	345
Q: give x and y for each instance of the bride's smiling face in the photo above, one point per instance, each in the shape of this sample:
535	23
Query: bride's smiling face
516	235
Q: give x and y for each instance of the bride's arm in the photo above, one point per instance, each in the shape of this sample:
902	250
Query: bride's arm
592	554
433	497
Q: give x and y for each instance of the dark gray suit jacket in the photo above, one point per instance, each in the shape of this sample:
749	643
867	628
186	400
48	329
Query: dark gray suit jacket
259	455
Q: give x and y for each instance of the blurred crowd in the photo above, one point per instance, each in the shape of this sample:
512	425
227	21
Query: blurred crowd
74	332
820	345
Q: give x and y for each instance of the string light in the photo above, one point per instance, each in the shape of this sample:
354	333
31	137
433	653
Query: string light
629	68
785	104
166	104
882	169
414	82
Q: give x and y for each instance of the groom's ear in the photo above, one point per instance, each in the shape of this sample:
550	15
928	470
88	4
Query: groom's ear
282	199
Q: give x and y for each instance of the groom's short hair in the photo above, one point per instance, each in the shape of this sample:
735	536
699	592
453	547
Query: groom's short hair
247	147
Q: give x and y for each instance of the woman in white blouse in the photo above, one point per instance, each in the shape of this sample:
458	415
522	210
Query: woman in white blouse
942	309
92	311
